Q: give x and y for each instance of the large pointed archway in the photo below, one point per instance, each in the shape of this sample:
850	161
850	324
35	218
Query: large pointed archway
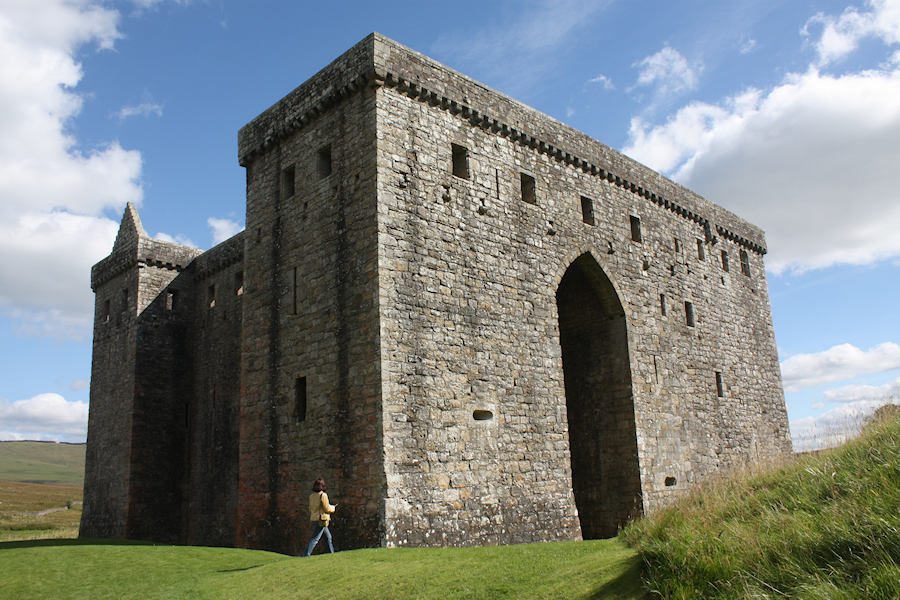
602	436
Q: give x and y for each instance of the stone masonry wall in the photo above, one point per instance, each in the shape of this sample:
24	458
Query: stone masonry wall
310	364
470	318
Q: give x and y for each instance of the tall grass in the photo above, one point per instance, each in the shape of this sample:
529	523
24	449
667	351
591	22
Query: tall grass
824	525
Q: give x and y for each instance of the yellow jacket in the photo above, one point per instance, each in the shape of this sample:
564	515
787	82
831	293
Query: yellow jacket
319	509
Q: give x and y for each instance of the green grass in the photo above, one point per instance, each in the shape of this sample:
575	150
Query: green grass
42	462
78	569
820	526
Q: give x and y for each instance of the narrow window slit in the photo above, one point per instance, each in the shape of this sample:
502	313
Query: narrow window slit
636	229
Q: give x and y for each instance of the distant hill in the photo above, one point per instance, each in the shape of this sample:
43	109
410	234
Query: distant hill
42	462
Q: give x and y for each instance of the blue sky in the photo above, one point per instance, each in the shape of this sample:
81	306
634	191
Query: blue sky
787	113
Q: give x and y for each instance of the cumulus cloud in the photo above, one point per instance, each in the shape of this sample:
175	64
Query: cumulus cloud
841	35
42	416
835	426
222	229
837	364
53	194
175	239
852	393
812	161
668	72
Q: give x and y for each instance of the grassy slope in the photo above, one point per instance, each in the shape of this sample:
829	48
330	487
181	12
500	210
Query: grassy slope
17	498
819	526
42	462
597	569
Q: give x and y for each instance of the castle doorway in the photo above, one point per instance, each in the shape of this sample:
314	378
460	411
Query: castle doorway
599	402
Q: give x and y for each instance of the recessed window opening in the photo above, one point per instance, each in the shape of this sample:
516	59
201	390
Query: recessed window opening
528	191
725	260
239	283
670	481
460	161
294	297
720	386
300	399
124	300
662	304
482	415
701	251
287	182
323	162
171	300
745	263
677	246
106	310
211	296
636	229
689	314
587	210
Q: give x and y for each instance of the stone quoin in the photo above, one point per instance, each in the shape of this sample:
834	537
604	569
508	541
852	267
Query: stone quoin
479	325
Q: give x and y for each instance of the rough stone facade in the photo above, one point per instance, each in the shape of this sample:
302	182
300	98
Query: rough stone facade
479	325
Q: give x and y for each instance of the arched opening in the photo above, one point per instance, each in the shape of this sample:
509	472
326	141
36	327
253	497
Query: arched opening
602	437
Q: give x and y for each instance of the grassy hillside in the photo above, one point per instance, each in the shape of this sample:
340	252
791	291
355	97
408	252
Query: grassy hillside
42	462
820	526
70	569
19	502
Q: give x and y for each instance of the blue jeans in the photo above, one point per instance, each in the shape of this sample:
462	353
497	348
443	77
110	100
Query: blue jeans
318	530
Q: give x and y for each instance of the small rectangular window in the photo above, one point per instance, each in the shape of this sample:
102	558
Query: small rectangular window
460	161
720	386
677	246
745	263
294	292
171	300
211	296
106	310
528	191
636	229
701	251
587	210
300	399
725	260
662	304
239	283
689	314
287	182
323	162
124	300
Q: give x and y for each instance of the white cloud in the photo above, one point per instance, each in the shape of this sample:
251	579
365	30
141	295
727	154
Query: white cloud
52	194
841	35
79	384
748	46
668	72
604	80
813	162
175	239
223	229
852	393
837	364
44	414
834	427
144	109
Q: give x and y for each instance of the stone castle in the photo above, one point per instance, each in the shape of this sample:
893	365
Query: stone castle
479	325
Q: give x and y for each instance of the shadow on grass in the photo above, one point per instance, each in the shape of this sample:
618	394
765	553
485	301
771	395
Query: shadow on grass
627	585
74	542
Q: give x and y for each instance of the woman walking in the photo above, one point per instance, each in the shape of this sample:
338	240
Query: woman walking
320	516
